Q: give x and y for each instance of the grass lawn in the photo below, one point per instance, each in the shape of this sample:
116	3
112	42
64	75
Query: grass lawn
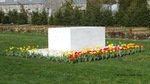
134	69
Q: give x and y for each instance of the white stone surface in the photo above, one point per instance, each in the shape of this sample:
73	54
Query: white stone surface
75	38
47	52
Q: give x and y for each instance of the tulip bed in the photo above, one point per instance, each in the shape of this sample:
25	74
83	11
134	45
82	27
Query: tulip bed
84	55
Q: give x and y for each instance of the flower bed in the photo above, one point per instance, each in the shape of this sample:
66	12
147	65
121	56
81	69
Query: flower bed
41	30
136	36
84	55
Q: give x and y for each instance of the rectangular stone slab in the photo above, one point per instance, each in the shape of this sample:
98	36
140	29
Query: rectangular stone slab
75	38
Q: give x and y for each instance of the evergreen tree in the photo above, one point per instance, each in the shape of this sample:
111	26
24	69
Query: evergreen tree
133	13
93	13
35	18
51	20
13	16
68	15
39	18
76	17
137	14
67	10
107	18
6	20
43	18
108	1
58	18
97	15
123	6
22	18
1	16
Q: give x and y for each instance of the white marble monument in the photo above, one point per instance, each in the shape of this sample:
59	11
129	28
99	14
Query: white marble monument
75	38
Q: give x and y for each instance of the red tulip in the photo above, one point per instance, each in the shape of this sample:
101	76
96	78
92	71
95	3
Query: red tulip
106	48
76	54
84	53
70	56
72	59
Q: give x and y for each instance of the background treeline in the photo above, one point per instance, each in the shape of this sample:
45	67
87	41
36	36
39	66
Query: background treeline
13	17
130	13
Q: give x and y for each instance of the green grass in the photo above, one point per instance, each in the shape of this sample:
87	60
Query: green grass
134	69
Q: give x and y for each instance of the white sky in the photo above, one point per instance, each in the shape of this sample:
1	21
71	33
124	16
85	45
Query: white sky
2	0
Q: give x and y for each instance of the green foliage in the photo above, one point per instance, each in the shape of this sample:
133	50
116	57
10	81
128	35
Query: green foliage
109	1
130	13
92	16
39	18
1	16
58	18
76	17
34	18
107	18
96	15
43	18
22	18
5	20
133	13
13	16
68	15
51	20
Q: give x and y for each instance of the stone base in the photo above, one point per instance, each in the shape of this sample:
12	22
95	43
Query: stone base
47	52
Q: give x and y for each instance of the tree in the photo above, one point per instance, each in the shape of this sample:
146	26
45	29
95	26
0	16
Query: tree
51	20
92	14
6	20
13	16
76	17
39	18
22	16
35	20
1	16
97	15
108	1
137	14
123	6
58	18
67	10
68	15
107	18
133	13
23	10
43	18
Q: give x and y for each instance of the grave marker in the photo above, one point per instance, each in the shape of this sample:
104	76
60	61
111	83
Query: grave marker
75	38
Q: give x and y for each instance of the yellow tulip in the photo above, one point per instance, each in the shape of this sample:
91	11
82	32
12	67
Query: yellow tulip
27	49
91	53
71	51
20	48
11	48
98	47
